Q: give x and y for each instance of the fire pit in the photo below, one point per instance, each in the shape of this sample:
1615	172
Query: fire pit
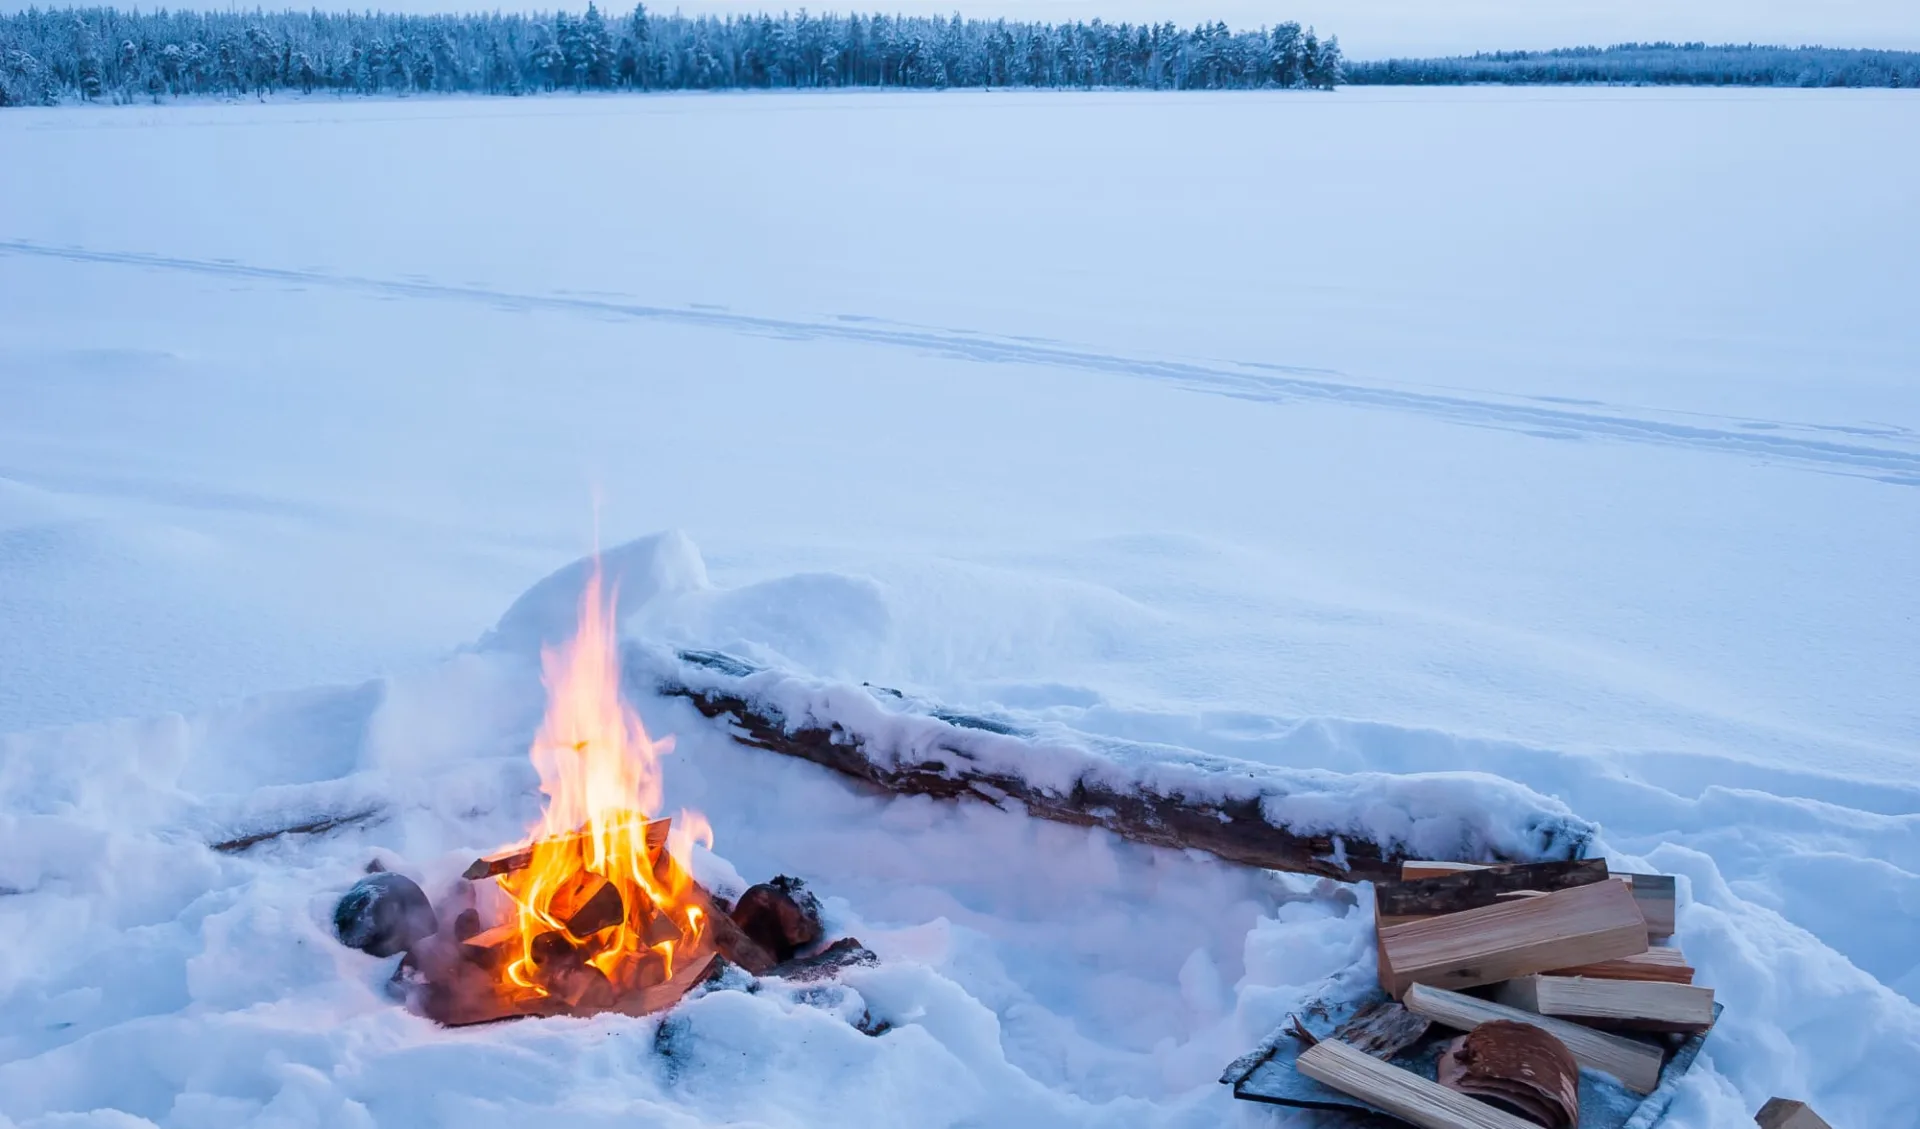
597	909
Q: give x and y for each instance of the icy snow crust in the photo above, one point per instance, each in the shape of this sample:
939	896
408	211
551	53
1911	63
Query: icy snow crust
1495	507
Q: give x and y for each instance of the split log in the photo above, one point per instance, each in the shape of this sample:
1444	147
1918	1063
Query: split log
1583	925
493	948
1626	1004
1230	809
586	903
1779	1113
1668	966
1402	1093
1654	893
1396	903
521	857
1635	1064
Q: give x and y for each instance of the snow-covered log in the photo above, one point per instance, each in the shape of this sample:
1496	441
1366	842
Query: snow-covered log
1346	826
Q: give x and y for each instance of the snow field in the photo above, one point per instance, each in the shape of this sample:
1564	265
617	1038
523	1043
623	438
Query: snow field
1565	436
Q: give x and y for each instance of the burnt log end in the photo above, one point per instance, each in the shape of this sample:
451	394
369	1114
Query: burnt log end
782	916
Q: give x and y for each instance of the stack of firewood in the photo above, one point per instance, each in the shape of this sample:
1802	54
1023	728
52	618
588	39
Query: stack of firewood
1544	970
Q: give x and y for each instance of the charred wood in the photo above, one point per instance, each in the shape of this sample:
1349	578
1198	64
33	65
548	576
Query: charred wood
318	826
847	952
782	915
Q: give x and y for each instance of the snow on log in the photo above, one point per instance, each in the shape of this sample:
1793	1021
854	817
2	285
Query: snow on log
1350	827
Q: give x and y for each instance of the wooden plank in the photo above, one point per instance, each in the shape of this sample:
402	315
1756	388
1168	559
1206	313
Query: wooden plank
1663	964
1635	1005
1635	1064
1402	1093
1779	1113
1584	925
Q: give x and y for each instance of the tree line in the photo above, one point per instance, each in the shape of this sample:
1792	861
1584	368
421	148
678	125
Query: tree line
106	54
1657	64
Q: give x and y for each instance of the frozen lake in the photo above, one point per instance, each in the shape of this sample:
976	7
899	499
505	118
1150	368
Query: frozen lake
1569	434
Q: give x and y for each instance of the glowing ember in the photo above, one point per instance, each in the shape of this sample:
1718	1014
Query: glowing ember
605	903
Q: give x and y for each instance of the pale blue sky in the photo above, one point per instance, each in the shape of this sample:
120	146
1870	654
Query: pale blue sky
1367	28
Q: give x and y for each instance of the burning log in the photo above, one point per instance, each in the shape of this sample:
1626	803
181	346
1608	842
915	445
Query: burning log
952	756
494	948
567	973
519	858
604	912
587	903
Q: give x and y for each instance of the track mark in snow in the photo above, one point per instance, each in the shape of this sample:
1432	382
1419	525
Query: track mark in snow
1536	415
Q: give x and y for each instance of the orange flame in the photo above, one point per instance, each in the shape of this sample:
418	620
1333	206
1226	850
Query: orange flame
600	772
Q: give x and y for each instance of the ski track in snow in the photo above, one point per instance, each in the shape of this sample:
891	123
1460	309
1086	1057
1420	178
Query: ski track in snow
1896	460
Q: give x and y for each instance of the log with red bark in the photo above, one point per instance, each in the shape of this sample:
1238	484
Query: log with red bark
1238	811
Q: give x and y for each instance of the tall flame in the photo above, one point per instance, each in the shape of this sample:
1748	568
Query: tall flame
600	772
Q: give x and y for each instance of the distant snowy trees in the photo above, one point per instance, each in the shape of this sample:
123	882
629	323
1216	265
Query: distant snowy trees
103	53
1660	64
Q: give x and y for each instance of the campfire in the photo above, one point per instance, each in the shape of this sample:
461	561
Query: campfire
597	908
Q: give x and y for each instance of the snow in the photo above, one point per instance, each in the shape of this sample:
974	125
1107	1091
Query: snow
1566	437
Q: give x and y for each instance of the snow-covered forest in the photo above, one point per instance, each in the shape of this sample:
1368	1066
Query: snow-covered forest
1654	64
103	53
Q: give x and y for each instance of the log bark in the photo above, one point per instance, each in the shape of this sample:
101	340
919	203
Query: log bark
1382	1030
1234	828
